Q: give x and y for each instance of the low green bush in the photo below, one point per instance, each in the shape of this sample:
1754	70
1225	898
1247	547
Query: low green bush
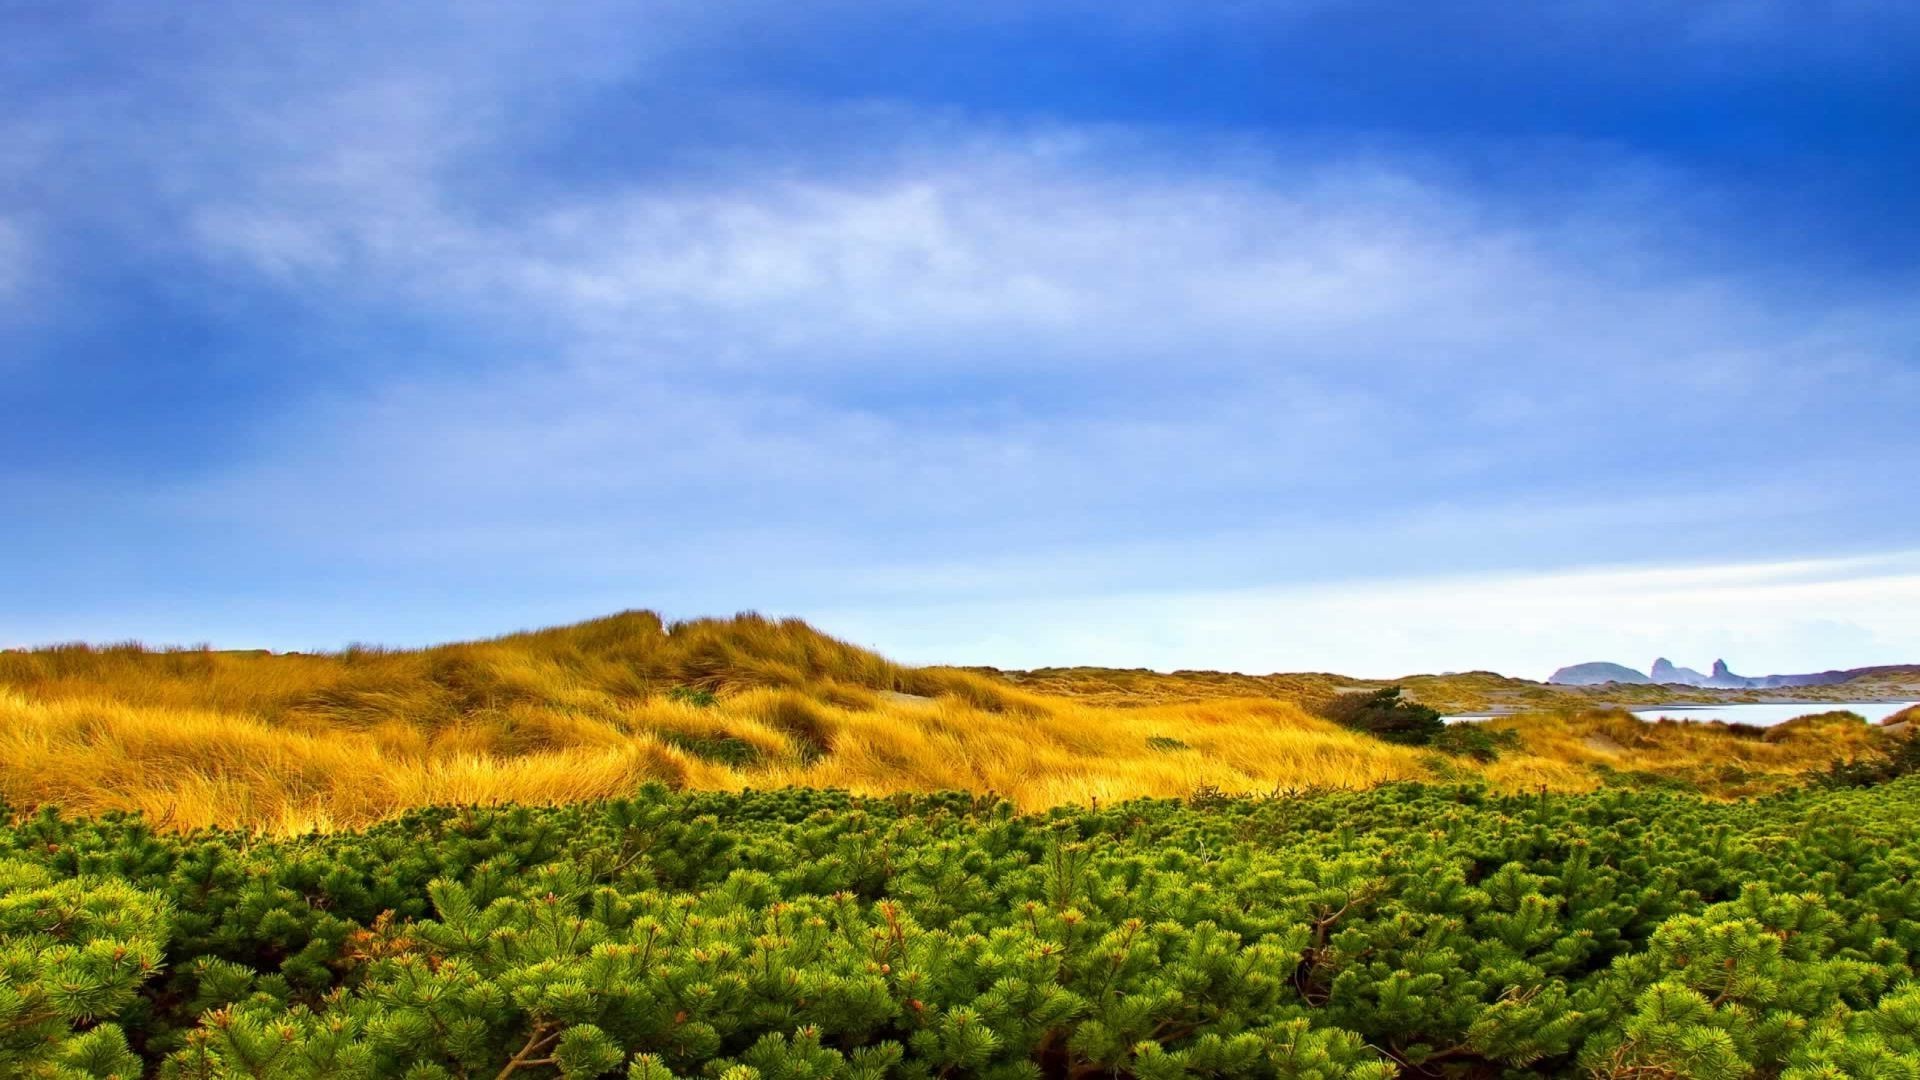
810	935
720	749
1386	715
1641	779
1902	760
699	697
1471	739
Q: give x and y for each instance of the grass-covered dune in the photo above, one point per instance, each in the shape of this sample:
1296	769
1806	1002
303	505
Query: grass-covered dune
287	743
1465	692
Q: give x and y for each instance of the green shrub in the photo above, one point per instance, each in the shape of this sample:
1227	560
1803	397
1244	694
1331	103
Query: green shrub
699	697
720	749
1471	739
1387	716
74	953
1902	760
811	935
1641	779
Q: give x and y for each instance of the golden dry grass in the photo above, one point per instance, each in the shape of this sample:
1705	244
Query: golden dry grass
1133	687
290	743
1465	692
1584	750
1908	715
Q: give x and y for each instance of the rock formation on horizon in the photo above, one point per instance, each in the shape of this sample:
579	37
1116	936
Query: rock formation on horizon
1664	672
1596	673
1724	679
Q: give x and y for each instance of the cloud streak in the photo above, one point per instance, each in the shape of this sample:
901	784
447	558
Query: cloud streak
1035	329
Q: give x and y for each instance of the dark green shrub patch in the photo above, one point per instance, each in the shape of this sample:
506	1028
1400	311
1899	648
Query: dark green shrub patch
1641	779
1903	760
724	749
808	935
1386	715
1470	739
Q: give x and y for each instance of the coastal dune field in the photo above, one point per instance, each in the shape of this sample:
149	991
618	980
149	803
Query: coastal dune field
290	743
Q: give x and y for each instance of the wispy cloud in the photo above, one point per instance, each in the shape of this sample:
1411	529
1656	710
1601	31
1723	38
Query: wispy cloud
1037	336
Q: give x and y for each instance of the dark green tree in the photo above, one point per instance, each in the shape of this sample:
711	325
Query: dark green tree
1386	715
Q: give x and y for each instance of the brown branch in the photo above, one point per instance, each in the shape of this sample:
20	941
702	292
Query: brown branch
543	1035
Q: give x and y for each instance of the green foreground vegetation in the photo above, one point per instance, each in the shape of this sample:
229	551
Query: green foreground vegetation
811	935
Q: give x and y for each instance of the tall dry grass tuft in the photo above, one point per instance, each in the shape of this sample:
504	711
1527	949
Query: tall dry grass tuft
295	742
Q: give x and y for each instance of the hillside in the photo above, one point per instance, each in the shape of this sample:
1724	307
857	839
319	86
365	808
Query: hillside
285	743
1461	693
1722	677
1596	674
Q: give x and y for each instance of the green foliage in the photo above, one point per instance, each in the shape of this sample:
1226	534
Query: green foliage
1640	779
1167	743
699	697
810	935
721	749
1902	760
1475	740
72	951
1386	715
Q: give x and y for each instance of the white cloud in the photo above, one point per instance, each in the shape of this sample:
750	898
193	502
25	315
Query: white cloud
1111	329
1763	618
1060	253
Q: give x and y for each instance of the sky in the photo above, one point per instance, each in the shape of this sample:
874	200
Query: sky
1309	335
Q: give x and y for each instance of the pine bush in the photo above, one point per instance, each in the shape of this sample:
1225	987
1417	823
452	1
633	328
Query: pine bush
811	935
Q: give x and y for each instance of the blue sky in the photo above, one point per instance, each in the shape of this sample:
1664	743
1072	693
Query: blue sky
1373	337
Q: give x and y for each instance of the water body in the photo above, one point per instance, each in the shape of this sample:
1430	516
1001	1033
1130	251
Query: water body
1760	715
1770	713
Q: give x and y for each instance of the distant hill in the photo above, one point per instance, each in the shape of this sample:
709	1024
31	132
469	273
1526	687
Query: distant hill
1817	678
1596	673
1462	693
1665	673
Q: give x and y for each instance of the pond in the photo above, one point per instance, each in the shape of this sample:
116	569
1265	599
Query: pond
1769	713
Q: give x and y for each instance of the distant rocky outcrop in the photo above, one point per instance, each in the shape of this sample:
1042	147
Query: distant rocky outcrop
1595	674
1664	672
1724	679
1721	678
